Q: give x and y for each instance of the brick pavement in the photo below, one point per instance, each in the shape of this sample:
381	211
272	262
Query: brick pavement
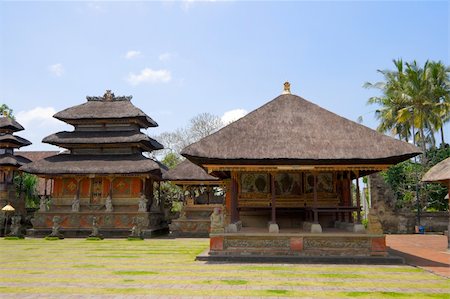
425	251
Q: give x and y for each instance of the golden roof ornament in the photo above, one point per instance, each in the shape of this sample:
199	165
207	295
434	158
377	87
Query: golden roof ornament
287	88
5	113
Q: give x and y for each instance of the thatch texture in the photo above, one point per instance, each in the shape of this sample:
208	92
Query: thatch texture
103	110
188	171
289	129
93	164
70	139
9	124
13	160
439	172
6	140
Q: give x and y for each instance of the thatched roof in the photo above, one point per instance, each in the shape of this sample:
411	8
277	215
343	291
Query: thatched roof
106	108
37	155
439	172
9	124
71	139
94	164
292	130
188	171
13	160
9	140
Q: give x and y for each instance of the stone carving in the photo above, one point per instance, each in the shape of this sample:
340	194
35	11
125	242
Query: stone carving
74	220
56	227
155	205
142	203
336	243
108	204
257	243
42	204
217	225
374	224
15	226
95	229
76	204
109	96
108	220
136	230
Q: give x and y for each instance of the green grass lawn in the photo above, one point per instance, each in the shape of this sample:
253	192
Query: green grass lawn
164	267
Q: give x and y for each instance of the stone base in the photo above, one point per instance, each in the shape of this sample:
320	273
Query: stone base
273	228
359	228
297	244
234	227
316	228
190	227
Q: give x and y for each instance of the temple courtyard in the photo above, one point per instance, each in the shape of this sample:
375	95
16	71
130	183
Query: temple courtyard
166	268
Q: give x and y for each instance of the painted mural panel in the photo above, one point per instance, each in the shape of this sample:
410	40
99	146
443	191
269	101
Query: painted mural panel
255	182
121	187
288	184
324	182
69	187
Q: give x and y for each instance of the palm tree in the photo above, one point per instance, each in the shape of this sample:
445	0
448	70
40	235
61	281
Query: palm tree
414	96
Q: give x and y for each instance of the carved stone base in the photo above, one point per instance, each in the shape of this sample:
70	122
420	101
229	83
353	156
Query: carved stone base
273	228
316	228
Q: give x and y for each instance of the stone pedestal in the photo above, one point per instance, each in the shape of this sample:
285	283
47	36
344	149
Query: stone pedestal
316	228
359	228
273	228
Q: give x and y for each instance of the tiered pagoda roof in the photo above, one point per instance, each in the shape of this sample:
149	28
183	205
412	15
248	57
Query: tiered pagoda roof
9	142
106	140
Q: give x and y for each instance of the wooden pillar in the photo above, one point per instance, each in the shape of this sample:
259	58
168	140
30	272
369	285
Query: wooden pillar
358	199
316	216
273	201
348	183
45	189
234	198
78	187
111	180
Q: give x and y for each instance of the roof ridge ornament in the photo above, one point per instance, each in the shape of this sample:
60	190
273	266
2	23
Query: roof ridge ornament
109	97
287	88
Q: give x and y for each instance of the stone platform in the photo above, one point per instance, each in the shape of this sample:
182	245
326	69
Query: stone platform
301	246
111	224
194	221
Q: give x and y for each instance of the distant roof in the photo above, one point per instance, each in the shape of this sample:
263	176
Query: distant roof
439	172
7	123
94	164
107	107
292	130
13	160
66	139
188	171
37	155
16	141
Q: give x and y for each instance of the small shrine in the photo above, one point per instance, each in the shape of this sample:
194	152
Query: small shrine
288	168
10	163
202	194
103	174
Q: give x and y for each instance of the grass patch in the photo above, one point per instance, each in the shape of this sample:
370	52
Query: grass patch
135	272
48	238
234	281
128	280
277	292
13	238
339	275
88	266
394	295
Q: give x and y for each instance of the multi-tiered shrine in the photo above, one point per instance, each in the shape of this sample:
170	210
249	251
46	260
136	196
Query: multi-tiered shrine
288	167
103	172
9	162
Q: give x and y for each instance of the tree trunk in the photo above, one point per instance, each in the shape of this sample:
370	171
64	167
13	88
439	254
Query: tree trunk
442	136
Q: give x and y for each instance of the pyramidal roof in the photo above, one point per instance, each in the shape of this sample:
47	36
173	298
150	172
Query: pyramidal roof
439	172
188	171
107	107
290	129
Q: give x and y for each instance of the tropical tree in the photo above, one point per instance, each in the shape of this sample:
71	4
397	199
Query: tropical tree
4	108
413	97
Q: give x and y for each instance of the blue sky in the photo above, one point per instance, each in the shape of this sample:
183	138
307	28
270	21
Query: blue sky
179	59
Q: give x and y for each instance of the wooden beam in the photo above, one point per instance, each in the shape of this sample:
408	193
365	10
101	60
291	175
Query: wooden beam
284	168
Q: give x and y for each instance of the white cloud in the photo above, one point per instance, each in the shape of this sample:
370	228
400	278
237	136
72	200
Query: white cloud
232	115
165	56
39	123
148	75
56	69
132	54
